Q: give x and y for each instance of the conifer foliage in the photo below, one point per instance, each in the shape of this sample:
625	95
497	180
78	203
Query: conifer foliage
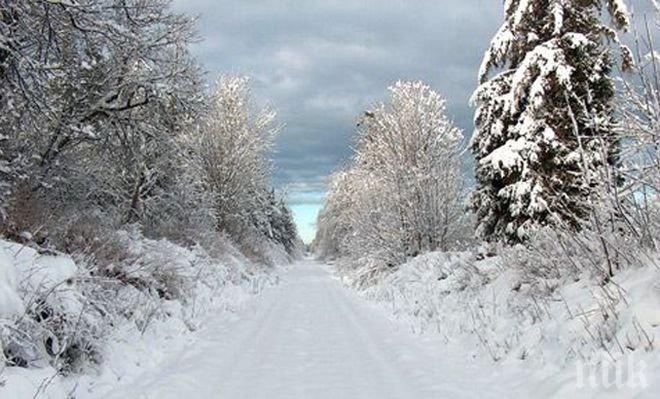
544	120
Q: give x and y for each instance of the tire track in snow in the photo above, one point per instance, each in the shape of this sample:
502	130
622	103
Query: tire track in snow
308	338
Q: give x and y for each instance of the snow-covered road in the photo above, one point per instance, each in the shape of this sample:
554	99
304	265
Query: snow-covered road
310	337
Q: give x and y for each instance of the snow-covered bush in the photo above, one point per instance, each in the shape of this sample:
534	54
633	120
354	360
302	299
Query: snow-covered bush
639	106
52	322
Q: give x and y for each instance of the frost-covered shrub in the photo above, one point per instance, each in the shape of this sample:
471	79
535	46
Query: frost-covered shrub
69	339
599	275
265	252
26	212
57	313
639	106
553	254
167	269
156	267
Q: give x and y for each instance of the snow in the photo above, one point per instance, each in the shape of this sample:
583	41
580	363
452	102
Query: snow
23	265
508	156
312	337
486	309
10	302
443	325
23	268
129	345
21	383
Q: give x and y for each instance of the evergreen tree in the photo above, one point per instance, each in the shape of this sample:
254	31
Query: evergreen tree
544	121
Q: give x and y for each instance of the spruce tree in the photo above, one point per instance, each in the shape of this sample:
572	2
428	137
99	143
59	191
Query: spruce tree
544	114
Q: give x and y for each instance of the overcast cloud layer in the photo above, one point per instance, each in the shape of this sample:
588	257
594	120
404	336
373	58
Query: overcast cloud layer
320	63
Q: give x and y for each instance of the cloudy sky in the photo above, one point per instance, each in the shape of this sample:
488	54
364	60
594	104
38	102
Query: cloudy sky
321	62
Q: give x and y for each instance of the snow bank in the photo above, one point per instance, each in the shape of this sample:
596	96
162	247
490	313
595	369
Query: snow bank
577	335
81	327
10	302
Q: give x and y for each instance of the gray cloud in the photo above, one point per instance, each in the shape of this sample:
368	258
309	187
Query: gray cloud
321	62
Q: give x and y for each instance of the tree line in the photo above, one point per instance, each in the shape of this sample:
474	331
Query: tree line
105	120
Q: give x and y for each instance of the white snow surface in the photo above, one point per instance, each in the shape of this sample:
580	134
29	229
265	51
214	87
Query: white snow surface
567	343
312	337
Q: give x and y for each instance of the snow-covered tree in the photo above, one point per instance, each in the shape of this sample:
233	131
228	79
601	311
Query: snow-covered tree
402	194
234	143
99	101
334	223
281	228
544	121
411	147
108	139
637	198
98	91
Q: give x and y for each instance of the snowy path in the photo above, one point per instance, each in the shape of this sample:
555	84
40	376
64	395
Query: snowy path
309	337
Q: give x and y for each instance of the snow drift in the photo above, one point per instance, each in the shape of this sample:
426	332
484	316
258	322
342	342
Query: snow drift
575	333
76	327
